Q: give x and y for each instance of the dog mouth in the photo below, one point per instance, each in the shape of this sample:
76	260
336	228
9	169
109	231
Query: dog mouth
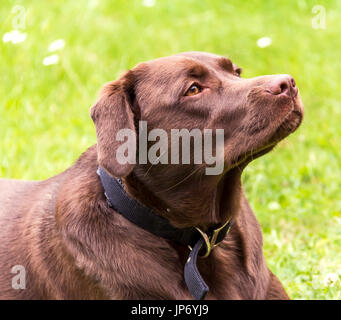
287	126
290	123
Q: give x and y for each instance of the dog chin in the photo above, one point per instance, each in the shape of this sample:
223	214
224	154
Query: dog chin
244	159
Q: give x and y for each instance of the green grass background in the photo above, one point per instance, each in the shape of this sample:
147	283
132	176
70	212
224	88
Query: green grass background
294	191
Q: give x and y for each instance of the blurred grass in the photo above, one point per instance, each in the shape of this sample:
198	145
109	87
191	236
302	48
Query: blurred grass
294	191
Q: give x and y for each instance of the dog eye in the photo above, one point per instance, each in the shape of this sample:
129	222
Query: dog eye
193	90
238	72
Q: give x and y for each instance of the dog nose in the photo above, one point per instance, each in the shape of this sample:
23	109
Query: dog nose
282	85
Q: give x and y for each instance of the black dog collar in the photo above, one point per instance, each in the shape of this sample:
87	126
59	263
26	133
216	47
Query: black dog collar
147	219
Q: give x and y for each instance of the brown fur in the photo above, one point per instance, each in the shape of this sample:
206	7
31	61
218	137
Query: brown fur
73	246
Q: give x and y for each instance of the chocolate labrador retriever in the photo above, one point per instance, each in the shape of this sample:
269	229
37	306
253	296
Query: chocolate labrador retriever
61	239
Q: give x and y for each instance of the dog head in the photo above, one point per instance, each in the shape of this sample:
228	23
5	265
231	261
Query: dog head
194	91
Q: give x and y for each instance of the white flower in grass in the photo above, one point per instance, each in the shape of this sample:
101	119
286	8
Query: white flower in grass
93	4
274	206
149	3
57	45
330	279
14	36
264	42
54	59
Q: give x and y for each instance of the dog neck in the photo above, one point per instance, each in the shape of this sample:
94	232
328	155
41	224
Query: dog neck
199	201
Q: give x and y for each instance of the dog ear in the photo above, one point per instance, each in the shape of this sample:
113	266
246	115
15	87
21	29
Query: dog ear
111	113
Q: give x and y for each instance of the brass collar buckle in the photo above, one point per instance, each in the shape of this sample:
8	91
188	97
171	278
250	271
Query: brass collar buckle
211	240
